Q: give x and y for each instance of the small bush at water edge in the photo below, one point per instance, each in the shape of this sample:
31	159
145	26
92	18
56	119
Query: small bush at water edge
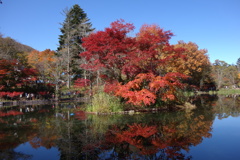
104	103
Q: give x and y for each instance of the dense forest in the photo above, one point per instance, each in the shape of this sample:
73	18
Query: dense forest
141	70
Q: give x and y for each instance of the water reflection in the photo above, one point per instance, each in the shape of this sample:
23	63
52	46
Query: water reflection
160	137
167	135
19	126
227	106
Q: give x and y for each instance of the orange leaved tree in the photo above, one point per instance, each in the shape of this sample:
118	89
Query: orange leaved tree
196	64
42	61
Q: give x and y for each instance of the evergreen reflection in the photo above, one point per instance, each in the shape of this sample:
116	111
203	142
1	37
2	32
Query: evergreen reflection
164	135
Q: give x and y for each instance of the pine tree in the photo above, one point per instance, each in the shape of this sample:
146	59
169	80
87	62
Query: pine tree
74	28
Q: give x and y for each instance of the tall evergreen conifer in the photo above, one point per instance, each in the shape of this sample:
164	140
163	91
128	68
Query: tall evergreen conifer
75	26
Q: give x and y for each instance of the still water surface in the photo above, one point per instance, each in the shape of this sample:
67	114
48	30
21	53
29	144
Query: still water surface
212	131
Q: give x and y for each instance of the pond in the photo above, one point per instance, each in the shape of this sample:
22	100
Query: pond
212	131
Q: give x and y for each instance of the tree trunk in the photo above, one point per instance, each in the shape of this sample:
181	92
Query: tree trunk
56	92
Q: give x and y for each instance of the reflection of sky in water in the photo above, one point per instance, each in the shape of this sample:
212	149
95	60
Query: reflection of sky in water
224	143
107	154
37	154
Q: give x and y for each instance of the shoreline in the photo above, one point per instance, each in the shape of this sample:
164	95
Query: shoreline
26	102
38	102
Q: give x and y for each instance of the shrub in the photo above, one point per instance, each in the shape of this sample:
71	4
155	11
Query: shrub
104	103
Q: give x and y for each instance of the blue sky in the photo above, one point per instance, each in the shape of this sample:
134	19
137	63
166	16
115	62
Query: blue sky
212	24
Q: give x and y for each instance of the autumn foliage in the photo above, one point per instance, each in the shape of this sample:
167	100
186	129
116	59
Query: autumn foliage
81	82
146	88
14	77
42	61
195	64
10	94
132	67
170	138
10	113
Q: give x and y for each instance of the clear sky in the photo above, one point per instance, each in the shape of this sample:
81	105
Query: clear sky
212	24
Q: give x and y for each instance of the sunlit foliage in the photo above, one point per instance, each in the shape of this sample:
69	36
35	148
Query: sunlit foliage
133	62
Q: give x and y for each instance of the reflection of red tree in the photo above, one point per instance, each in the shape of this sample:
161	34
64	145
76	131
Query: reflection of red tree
10	113
28	130
170	138
81	82
10	94
137	135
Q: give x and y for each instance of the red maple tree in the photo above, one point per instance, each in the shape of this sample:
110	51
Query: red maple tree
133	67
14	77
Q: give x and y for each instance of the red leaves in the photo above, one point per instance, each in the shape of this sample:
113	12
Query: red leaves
170	80
81	82
3	72
136	97
133	64
136	135
30	71
10	94
120	25
146	88
108	49
14	94
140	130
2	94
111	87
10	113
170	136
15	75
152	35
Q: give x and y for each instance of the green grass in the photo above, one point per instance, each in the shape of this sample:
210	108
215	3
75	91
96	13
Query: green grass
104	103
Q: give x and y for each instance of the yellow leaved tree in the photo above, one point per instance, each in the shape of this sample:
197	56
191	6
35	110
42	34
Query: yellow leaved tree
194	63
42	61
